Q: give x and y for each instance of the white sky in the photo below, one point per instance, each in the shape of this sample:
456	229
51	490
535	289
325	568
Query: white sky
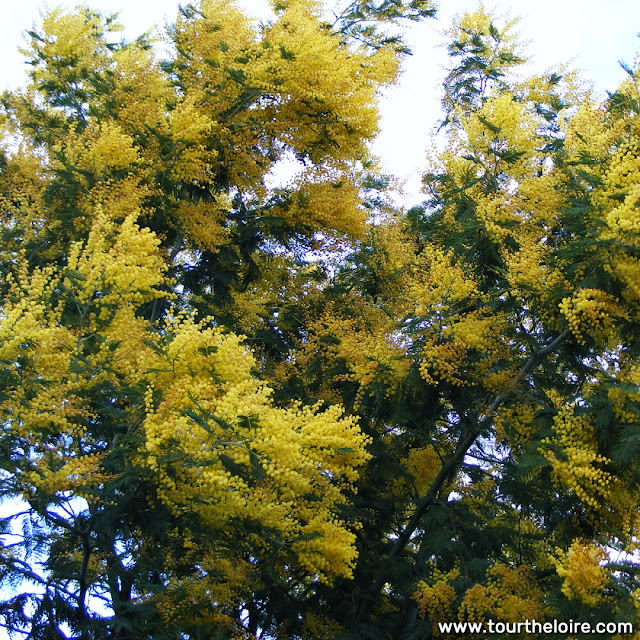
588	34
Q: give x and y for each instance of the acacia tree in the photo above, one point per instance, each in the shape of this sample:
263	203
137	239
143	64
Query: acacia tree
156	480
233	410
488	341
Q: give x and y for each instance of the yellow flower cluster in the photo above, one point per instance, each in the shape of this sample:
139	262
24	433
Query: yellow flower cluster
214	412
620	181
582	472
316	627
105	280
102	149
584	576
115	197
473	26
618	198
69	472
201	598
249	95
140	94
112	273
589	312
190	128
512	129
626	269
498	217
325	205
366	345
436	597
435	601
587	133
625	395
540	198
392	260
113	178
471	23
460	347
514	423
72	40
616	166
526	269
314	70
205	414
439	282
510	594
204	222
423	464
451	348
22	193
626	517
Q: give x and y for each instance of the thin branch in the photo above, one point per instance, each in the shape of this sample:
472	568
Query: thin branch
451	466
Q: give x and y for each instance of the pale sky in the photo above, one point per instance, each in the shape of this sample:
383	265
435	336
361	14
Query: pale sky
585	33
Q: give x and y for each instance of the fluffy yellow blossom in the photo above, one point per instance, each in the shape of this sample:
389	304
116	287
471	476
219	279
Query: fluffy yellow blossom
109	272
326	205
436	597
581	568
208	428
216	416
509	594
302	72
584	469
589	312
439	286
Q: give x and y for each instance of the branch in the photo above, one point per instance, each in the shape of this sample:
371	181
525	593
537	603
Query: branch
82	578
624	567
447	469
451	466
25	570
526	368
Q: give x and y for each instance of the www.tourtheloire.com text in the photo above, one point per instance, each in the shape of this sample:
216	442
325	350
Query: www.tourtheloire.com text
533	626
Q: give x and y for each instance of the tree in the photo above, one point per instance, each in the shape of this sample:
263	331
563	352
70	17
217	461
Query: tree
488	340
238	410
159	483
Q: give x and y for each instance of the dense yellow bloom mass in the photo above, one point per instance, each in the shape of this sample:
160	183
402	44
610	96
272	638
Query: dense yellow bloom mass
580	468
208	427
501	124
213	418
70	38
240	99
328	204
107	384
583	573
363	349
508	595
440	286
436	597
309	93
